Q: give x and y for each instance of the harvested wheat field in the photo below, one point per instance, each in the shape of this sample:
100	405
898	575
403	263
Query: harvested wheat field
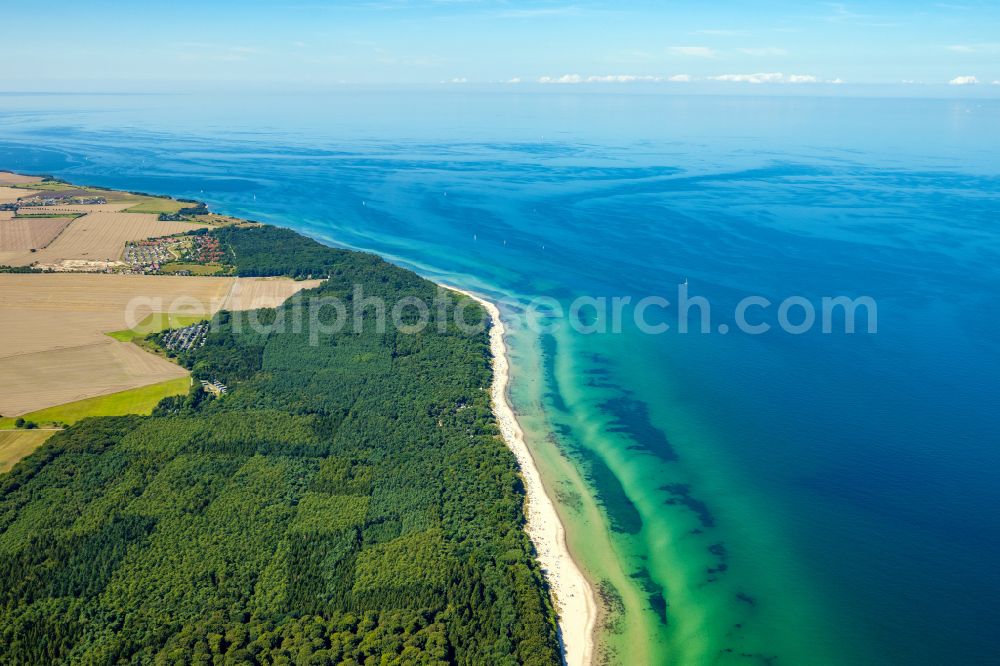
12	194
53	347
58	376
53	343
16	444
61	310
8	178
19	234
75	209
250	294
102	236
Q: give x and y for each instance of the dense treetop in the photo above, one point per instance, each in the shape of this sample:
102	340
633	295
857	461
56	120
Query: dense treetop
349	501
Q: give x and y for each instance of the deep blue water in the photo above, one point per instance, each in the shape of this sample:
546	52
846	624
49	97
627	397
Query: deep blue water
871	462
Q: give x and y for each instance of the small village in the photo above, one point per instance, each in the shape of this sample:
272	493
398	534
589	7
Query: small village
147	257
187	338
203	250
55	198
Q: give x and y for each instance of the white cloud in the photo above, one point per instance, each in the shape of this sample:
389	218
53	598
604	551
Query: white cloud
460	80
604	78
620	78
771	77
963	81
516	79
692	51
996	83
681	78
565	78
765	51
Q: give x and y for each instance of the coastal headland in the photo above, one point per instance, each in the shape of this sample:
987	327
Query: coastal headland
407	516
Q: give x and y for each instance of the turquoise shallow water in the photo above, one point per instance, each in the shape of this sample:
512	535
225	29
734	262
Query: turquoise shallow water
799	499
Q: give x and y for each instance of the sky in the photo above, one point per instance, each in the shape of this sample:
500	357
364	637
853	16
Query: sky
111	46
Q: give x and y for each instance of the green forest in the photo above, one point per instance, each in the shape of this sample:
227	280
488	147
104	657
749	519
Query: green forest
348	501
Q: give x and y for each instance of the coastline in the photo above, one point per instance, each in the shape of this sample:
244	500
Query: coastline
573	596
400	566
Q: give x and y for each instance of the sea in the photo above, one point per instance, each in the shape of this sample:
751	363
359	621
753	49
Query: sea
796	495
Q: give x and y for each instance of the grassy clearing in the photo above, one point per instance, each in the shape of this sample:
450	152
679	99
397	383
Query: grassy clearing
154	323
59	186
155	205
196	269
17	444
140	400
221	220
50	185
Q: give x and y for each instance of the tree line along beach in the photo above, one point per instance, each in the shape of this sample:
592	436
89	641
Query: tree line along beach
376	472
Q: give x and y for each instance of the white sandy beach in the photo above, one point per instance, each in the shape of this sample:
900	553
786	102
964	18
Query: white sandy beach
573	596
